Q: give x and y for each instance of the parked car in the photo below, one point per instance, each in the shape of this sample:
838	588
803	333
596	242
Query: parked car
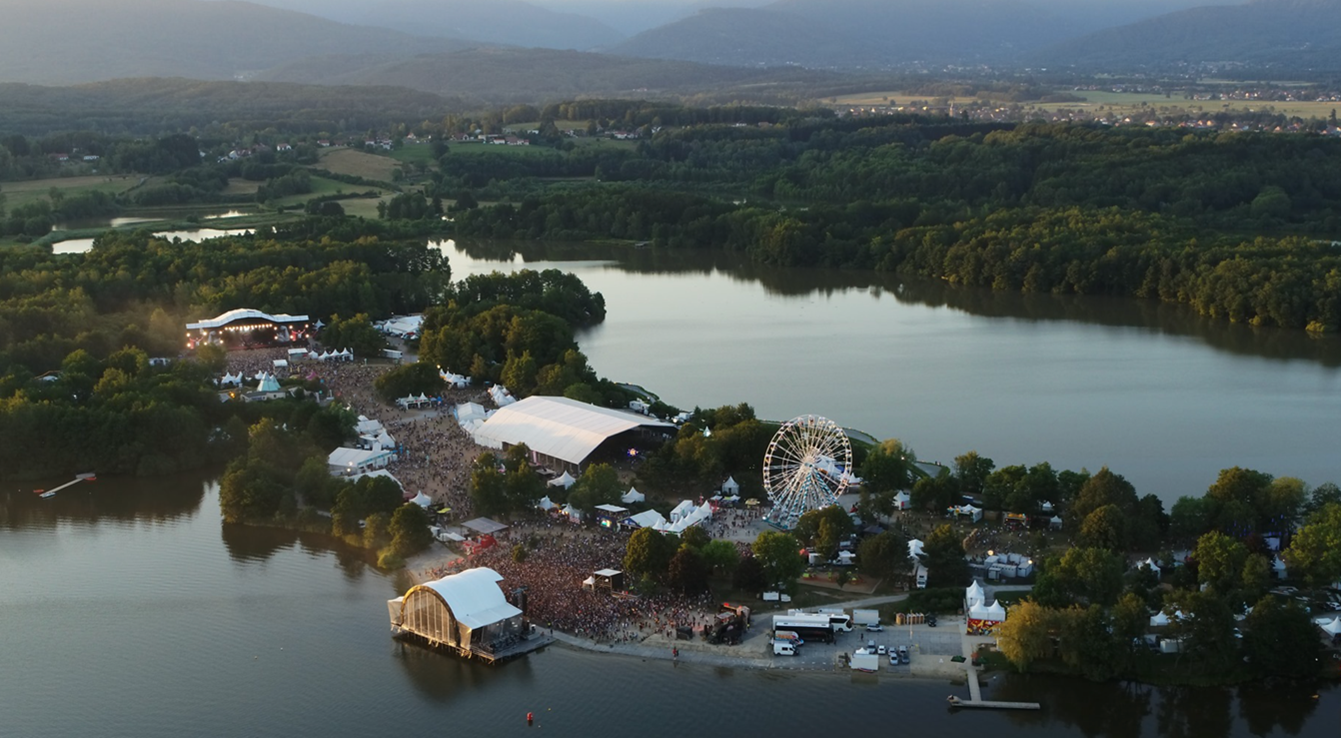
903	655
882	650
875	628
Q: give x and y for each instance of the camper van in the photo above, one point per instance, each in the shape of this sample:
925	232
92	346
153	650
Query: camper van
789	635
783	648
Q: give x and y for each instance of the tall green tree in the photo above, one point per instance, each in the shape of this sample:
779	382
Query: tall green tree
945	561
888	467
648	553
779	554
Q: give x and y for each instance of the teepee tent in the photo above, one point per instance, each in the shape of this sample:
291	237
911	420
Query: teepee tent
1332	628
564	480
730	486
422	500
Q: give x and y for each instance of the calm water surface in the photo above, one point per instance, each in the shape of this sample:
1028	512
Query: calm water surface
129	609
1152	391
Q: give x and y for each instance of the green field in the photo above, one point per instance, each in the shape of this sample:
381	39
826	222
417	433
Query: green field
18	194
323	186
413	152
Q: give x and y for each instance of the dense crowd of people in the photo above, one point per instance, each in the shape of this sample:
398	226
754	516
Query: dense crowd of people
559	557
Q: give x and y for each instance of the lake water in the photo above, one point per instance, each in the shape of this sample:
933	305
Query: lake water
1152	391
128	609
84	245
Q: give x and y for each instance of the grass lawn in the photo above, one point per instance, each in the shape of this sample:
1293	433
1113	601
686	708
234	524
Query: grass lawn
364	207
18	194
412	152
322	186
357	163
238	186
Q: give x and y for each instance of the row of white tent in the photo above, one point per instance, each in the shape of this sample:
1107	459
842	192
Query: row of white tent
685	515
341	355
410	401
471	415
975	602
500	395
454	380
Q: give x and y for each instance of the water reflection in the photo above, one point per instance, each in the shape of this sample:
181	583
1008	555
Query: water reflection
1167	318
105	500
443	679
1268	705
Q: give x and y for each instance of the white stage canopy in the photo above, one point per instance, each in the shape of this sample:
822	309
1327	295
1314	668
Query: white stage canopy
475	598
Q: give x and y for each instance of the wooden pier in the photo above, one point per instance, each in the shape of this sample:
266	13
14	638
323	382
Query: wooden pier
975	689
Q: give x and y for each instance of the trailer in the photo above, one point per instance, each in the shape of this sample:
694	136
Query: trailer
868	662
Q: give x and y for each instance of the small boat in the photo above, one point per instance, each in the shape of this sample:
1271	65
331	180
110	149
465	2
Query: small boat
44	493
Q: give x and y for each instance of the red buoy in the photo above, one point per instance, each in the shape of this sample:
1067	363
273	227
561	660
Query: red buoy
530	719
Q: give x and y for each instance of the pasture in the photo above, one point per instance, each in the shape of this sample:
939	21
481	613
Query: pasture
355	163
23	192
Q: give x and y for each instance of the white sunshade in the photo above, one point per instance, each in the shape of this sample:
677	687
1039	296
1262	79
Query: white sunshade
474	597
558	427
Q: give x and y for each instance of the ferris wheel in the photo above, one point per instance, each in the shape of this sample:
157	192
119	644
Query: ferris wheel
806	467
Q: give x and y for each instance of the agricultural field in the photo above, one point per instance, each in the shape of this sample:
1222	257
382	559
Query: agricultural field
413	153
322	186
357	163
21	193
1118	103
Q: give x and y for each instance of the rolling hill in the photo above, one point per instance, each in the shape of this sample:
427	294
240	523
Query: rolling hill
503	75
74	41
1299	34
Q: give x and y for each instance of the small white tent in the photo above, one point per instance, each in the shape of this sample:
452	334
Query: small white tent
974	595
545	504
564	480
1159	620
681	510
632	496
730	486
1332	628
902	500
1150	564
996	612
422	500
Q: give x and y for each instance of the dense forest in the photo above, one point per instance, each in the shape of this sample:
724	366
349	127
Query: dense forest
1238	225
76	333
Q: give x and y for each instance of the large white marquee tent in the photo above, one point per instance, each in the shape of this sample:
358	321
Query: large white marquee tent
559	428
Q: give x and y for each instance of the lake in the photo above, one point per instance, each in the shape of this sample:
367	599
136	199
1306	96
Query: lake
1153	391
129	609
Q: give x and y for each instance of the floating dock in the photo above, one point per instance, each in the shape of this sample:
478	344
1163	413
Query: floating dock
992	705
45	493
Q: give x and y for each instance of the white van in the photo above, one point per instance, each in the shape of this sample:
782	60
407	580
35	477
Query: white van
783	648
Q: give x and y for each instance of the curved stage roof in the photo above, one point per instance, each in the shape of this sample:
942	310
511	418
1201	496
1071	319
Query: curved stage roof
245	314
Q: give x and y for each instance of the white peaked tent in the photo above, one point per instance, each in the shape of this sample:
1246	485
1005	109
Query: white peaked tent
1332	628
648	519
730	486
1278	566
422	500
545	503
268	384
564	480
1150	564
1046	506
974	595
902	500
996	612
1055	523
573	513
632	496
681	510
1159	620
